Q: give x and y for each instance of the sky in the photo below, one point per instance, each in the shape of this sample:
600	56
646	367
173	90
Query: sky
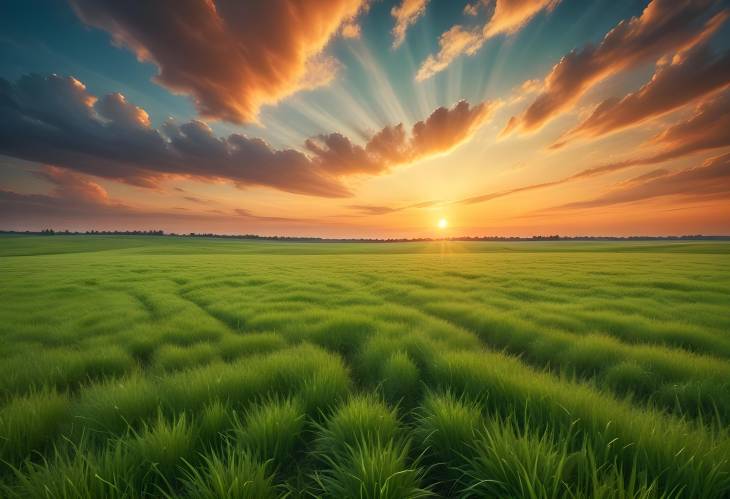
366	118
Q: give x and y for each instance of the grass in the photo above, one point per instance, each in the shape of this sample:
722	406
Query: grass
168	367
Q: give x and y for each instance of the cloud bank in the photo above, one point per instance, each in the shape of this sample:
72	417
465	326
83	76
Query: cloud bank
55	120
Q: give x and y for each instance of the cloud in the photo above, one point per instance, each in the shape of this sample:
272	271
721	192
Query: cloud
708	128
75	197
68	184
55	120
687	77
24	211
197	200
500	194
711	180
232	57
406	14
472	9
452	43
243	213
370	209
664	26
441	132
351	30
71	194
508	17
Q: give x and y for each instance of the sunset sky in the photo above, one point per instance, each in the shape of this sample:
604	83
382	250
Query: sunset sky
356	118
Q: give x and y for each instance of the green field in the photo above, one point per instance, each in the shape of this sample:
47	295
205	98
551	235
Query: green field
175	367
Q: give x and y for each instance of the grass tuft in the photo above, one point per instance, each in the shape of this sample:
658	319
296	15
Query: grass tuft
231	475
271	430
372	470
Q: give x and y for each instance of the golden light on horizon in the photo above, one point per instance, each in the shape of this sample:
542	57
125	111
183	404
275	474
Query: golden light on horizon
443	223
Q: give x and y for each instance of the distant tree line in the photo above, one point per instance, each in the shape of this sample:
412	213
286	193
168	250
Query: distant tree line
555	237
51	232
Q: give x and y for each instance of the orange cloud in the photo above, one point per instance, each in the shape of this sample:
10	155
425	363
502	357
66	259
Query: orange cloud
664	26
687	77
406	14
452	44
351	30
709	181
708	128
231	57
508	17
442	131
70	185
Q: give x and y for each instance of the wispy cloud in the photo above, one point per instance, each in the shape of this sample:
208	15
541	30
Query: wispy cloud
711	180
406	14
369	209
708	128
509	17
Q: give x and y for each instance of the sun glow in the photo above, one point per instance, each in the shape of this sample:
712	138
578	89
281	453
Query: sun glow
443	223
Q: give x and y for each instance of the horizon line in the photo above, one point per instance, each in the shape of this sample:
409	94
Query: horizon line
213	235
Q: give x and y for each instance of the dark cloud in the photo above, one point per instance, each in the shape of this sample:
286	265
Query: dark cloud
711	180
57	121
708	128
688	76
664	26
231	56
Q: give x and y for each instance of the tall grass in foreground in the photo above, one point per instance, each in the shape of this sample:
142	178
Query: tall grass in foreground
370	470
230	475
30	423
520	461
271	431
186	369
365	454
630	437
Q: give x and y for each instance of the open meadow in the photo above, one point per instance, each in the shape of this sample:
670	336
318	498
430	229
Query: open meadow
204	368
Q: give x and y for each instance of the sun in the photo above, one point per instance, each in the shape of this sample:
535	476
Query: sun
443	223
